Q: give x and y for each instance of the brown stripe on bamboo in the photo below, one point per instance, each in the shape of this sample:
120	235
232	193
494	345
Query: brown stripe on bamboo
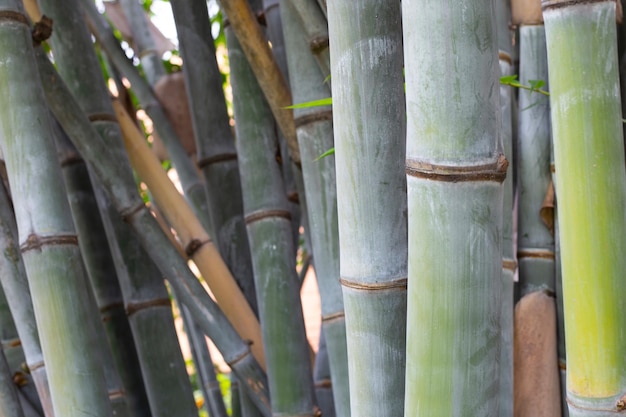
495	171
111	306
552	169
318	44
333	317
132	308
536	253
194	245
34	366
71	160
505	56
293	197
555	4
102	117
260	215
12	16
215	159
118	393
313	117
11	343
37	242
562	365
509	264
128	213
324	383
239	358
396	284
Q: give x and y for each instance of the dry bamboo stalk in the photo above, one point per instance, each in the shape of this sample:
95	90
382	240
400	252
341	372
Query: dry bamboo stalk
265	68
198	245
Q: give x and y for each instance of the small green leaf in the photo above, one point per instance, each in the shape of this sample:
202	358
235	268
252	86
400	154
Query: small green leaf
536	84
315	103
507	79
327	79
331	151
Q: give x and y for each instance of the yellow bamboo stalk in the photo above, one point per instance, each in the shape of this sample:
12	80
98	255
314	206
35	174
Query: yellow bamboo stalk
259	55
197	243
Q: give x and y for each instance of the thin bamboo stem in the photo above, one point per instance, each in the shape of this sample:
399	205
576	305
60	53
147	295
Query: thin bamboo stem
9	400
315	26
196	241
591	186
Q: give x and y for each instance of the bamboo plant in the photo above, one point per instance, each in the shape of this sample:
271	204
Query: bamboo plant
110	165
591	190
47	238
9	399
455	173
536	368
315	26
369	132
315	136
269	231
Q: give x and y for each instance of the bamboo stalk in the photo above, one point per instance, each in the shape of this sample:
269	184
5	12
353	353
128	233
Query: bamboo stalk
217	156
15	286
454	174
315	26
266	70
270	235
369	131
9	400
110	164
196	241
323	380
536	366
591	186
315	136
47	238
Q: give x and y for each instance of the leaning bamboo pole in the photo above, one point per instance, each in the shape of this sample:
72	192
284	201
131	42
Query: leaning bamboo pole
109	164
591	186
216	153
454	179
196	241
315	136
536	366
9	400
270	234
369	133
315	27
47	238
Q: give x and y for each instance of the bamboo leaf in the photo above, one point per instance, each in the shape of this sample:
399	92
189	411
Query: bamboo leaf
315	103
331	151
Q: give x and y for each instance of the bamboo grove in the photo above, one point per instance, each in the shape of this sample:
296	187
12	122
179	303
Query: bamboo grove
452	172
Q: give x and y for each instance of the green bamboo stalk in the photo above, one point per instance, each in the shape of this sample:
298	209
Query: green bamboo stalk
143	40
47	238
454	175
509	265
315	136
217	156
322	378
101	270
9	400
15	286
110	164
536	366
369	131
269	232
591	186
147	304
315	26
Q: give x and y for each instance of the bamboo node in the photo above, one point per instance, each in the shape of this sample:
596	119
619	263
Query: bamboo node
37	242
193	246
318	44
42	30
313	117
621	403
132	308
102	117
260	215
20	379
396	284
13	16
216	158
127	214
495	171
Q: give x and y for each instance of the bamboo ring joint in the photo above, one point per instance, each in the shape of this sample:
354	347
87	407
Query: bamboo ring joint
132	308
37	242
13	16
216	158
102	117
193	246
314	117
495	171
260	215
396	284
